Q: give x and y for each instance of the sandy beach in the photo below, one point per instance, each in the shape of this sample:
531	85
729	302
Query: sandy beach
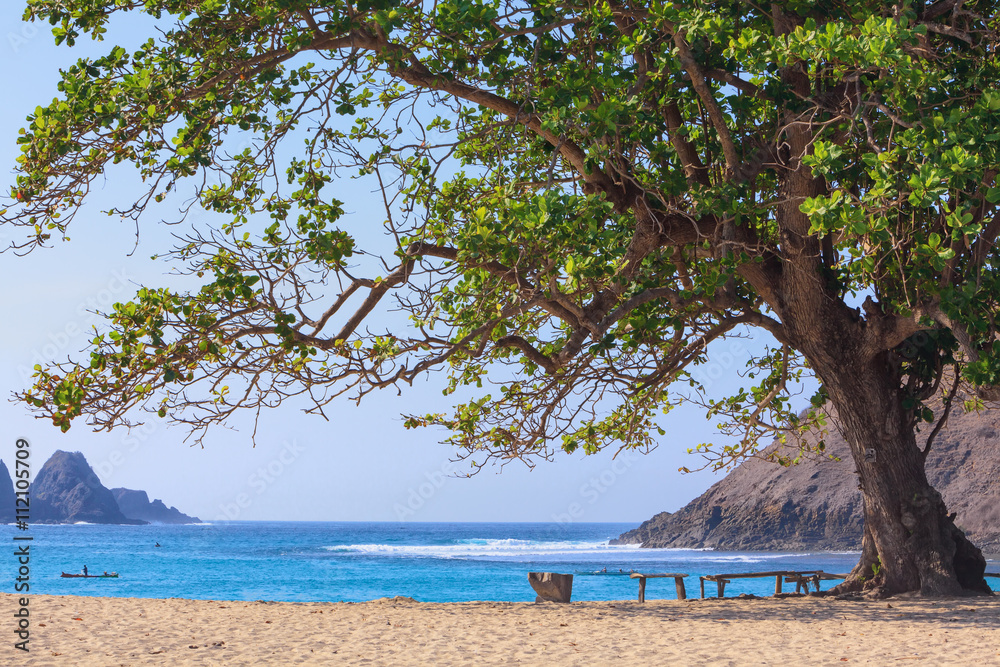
68	630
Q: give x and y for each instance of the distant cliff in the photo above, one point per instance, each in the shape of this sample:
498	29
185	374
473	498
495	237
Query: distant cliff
817	504
66	490
136	505
7	511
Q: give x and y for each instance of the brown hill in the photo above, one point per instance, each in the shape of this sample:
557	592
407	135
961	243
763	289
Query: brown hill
817	504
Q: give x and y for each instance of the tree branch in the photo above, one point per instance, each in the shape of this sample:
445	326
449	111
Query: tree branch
708	99
948	402
694	169
530	352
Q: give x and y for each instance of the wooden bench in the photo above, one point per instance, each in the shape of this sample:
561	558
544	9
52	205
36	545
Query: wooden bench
801	579
678	582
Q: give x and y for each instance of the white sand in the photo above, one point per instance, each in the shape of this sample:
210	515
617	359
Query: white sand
68	630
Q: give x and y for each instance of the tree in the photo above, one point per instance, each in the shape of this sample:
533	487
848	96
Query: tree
581	197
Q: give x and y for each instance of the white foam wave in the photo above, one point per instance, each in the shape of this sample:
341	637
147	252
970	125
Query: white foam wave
750	557
585	550
473	548
760	556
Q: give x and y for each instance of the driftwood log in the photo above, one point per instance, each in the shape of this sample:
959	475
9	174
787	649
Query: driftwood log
551	586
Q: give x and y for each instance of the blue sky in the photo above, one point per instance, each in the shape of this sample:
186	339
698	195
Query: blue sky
361	465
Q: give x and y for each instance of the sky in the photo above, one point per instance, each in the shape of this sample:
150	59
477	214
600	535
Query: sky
361	465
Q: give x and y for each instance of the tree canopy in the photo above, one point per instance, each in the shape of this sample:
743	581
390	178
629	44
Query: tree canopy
581	197
593	184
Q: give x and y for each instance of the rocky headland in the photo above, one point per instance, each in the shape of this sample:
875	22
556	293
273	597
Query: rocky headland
817	504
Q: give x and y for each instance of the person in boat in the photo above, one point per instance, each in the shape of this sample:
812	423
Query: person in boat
157	544
85	570
604	570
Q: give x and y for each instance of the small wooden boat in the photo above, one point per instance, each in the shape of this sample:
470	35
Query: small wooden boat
111	575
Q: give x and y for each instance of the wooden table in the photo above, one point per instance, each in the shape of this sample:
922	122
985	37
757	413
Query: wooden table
678	583
799	578
802	579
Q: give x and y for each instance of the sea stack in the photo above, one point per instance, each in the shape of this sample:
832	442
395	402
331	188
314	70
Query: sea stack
66	490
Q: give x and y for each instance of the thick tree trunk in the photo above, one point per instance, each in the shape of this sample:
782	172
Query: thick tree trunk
910	542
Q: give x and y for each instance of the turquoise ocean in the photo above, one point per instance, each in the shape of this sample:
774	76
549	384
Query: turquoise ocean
355	561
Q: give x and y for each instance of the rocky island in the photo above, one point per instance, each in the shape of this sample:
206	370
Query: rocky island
7	511
66	490
135	505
